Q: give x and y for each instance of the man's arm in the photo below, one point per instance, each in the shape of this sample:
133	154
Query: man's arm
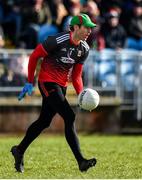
36	54
77	77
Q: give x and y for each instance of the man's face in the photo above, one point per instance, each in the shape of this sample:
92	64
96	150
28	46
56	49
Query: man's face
83	32
114	21
138	11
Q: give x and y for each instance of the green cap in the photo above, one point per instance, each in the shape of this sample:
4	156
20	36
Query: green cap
82	19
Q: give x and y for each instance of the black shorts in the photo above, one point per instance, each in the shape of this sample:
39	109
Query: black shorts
54	99
48	88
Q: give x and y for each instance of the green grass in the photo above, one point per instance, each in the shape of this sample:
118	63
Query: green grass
50	157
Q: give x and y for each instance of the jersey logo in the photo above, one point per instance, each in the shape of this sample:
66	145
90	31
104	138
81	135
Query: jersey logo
67	60
70	52
79	53
64	49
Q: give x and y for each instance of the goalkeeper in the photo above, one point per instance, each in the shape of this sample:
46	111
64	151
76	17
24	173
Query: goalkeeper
61	53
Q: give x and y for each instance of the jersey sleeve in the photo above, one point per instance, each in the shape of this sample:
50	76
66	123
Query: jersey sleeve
33	59
50	44
77	77
84	57
85	53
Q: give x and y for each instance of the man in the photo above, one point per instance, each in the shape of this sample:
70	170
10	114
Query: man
113	32
61	53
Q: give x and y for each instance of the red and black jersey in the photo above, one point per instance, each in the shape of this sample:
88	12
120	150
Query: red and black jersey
61	55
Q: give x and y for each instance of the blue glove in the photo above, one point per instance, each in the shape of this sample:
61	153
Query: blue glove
28	88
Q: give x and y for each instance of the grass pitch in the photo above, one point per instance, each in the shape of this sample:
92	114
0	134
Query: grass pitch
49	157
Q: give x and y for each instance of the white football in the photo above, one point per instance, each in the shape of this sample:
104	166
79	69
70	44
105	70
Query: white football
88	99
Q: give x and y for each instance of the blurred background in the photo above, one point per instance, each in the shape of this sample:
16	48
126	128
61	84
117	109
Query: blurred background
113	68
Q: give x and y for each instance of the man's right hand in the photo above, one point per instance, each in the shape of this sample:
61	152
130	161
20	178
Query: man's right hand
27	89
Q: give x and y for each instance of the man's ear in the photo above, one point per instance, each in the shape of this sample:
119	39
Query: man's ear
76	27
